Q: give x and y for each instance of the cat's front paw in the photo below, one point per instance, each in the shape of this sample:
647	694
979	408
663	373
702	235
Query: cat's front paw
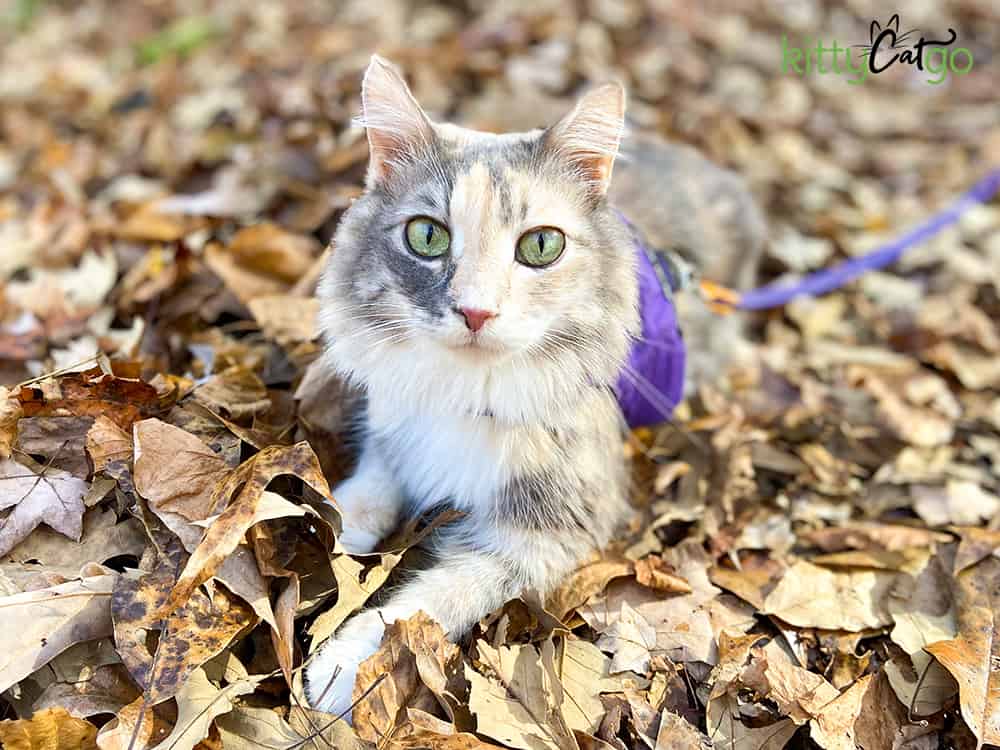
329	679
357	541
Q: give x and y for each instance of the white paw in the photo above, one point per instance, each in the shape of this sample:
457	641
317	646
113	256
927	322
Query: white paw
358	541
329	679
369	508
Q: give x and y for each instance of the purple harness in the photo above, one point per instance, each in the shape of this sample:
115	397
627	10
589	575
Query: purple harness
652	382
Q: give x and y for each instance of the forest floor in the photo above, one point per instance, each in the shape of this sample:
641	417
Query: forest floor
818	561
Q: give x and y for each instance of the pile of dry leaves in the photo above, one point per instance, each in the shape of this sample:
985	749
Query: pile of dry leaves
817	563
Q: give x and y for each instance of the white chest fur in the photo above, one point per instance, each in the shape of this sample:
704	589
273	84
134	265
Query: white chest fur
464	460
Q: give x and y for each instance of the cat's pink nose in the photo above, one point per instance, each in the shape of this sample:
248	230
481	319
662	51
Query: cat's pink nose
475	318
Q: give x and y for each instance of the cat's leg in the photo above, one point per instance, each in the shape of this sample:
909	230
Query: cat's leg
467	583
370	501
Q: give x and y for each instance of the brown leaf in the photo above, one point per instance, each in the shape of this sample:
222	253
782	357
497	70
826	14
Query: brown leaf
727	730
586	581
977	544
356	582
236	392
852	600
198	703
262	260
43	623
654	573
228	530
10	413
286	318
419	663
972	657
38	495
133	728
190	636
107	443
248	728
800	694
175	471
519	702
283	637
676	733
148	224
93	393
272	251
585	674
58	441
923	610
834	725
50	729
436	734
106	691
102	538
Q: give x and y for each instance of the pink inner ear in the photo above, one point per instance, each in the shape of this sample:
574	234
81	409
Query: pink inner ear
396	125
588	137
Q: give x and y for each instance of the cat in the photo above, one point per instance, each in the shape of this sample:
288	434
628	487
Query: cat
483	294
482	298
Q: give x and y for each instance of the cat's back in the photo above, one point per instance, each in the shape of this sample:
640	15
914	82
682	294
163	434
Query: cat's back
684	202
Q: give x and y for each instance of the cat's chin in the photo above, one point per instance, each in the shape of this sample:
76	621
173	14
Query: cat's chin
476	348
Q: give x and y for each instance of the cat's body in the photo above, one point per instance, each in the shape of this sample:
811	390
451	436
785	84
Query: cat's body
487	363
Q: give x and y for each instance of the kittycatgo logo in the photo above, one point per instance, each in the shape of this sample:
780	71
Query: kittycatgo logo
936	57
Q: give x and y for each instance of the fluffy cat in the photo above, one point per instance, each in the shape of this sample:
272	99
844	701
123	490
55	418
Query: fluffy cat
483	295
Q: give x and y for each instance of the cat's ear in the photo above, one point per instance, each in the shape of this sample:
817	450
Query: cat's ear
396	125
588	137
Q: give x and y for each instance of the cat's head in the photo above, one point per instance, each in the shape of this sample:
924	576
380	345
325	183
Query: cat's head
481	273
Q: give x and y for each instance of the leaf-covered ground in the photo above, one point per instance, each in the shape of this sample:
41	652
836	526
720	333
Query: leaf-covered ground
817	562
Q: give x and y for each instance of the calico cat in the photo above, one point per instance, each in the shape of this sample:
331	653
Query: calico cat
483	297
483	294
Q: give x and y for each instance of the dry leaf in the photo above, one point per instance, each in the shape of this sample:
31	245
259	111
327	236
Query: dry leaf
107	444
133	728
675	733
58	442
229	529
654	573
727	730
810	596
174	470
41	624
35	496
106	691
49	729
416	662
283	636
586	581
93	393
237	393
10	413
972	657
924	613
356	582
249	728
519	702
585	673
102	538
286	318
630	638
191	635
198	703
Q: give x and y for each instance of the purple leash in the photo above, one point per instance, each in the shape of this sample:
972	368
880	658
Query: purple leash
652	381
821	282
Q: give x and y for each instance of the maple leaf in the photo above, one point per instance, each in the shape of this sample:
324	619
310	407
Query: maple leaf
35	496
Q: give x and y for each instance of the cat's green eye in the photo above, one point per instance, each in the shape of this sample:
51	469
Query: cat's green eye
427	238
540	247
